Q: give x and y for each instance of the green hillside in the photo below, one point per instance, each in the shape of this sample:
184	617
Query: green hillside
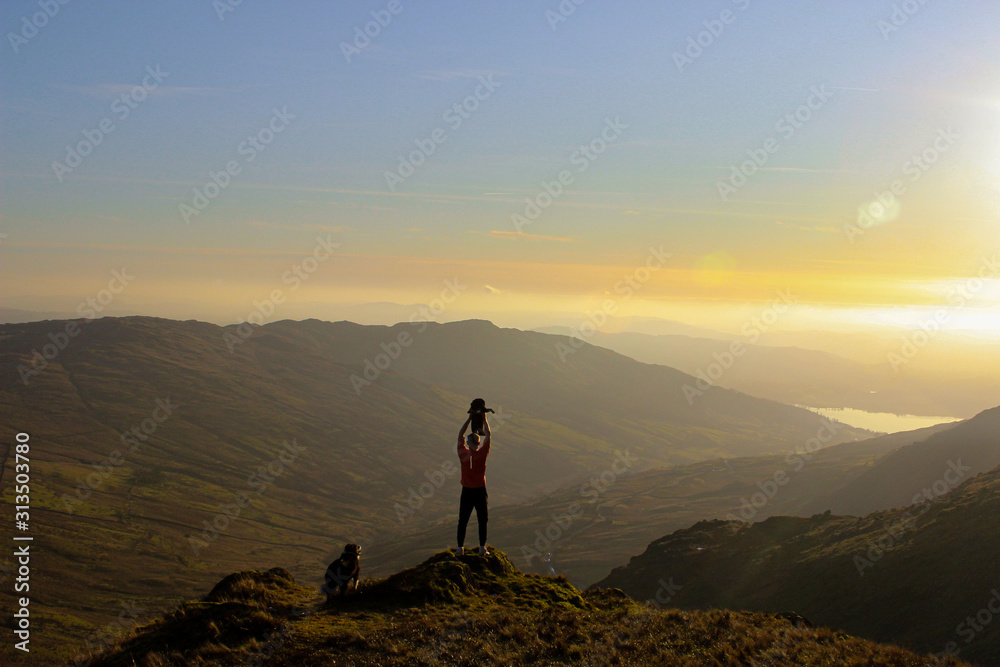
919	576
168	453
618	520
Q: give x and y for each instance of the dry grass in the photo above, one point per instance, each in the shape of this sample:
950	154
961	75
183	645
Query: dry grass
472	611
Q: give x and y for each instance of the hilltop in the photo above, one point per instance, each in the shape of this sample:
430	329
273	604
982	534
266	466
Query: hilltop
269	441
923	576
468	611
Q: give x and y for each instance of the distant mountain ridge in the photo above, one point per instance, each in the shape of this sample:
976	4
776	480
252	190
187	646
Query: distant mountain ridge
804	376
188	503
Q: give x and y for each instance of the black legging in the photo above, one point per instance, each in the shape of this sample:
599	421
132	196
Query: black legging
473	498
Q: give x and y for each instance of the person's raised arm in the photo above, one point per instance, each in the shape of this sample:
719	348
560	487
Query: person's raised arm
486	429
461	434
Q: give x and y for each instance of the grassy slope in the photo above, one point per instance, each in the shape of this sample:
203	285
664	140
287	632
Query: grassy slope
640	507
290	381
896	477
470	611
929	571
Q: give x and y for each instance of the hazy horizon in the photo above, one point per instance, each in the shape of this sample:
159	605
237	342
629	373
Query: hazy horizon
537	158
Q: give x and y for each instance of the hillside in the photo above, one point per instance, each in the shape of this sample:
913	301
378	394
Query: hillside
639	507
966	449
591	390
469	611
916	576
179	451
795	374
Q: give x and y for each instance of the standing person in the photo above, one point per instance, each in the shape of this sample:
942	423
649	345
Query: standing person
473	459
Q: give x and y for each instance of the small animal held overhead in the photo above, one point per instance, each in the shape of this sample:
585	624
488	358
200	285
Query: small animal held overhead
477	412
342	572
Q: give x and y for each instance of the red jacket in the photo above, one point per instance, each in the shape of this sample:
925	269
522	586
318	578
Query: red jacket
473	464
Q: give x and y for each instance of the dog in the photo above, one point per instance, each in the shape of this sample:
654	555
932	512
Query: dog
477	413
342	572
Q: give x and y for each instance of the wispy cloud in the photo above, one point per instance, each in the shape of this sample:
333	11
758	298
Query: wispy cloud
512	235
806	170
492	290
803	170
111	90
262	224
822	228
167	250
452	75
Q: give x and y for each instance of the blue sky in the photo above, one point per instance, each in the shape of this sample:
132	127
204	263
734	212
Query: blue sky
657	183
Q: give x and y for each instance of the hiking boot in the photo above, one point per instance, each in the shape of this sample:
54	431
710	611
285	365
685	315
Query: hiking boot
483	551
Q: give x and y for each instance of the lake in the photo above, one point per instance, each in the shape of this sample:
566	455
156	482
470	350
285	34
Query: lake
884	422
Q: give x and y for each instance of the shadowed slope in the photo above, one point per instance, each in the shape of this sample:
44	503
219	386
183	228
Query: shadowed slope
473	610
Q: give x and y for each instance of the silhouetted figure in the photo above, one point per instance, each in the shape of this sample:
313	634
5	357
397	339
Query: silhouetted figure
342	572
473	459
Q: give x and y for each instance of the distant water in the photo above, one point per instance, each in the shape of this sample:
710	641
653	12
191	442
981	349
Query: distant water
883	422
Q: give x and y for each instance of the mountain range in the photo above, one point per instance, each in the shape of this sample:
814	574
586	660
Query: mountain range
174	452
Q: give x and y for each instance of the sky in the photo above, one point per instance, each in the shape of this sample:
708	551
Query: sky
521	161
